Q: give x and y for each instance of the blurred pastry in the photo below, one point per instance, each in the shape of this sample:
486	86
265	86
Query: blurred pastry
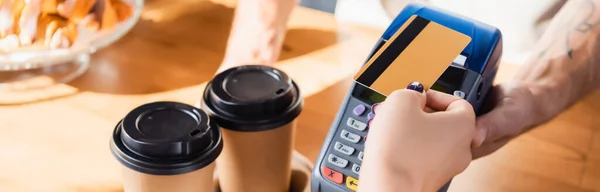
10	42
90	22
70	32
7	18
75	10
50	6
106	14
59	40
42	24
48	24
124	10
17	10
51	28
29	20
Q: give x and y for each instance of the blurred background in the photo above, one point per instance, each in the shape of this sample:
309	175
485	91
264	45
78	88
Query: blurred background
524	24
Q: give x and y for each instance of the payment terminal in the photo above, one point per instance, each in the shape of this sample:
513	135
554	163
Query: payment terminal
469	76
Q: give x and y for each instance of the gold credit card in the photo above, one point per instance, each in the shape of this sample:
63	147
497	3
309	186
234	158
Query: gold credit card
421	50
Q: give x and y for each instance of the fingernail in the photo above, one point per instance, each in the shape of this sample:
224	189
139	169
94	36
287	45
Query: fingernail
480	138
373	107
416	86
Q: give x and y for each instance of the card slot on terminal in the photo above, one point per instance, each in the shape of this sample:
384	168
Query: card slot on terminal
453	77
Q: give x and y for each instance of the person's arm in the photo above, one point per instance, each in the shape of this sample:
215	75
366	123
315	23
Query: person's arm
564	69
567	66
257	32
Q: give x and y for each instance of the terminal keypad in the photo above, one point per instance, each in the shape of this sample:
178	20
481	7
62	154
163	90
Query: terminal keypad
345	153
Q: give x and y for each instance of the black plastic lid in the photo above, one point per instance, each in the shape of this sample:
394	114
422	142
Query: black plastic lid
252	98
166	138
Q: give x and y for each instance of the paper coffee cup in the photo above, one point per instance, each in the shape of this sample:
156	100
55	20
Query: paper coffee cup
167	146
256	107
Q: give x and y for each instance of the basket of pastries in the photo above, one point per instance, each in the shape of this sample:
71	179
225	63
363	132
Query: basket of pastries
37	33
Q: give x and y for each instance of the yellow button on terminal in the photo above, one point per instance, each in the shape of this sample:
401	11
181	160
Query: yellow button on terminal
352	183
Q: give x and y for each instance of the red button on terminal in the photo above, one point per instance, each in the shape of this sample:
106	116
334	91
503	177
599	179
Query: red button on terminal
332	175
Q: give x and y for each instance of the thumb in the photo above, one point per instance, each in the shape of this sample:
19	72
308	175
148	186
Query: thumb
411	99
484	124
509	118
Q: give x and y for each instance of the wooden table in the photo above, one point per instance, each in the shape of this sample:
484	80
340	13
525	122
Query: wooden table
61	143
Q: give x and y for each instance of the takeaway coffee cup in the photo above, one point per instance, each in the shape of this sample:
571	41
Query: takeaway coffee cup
167	146
256	107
